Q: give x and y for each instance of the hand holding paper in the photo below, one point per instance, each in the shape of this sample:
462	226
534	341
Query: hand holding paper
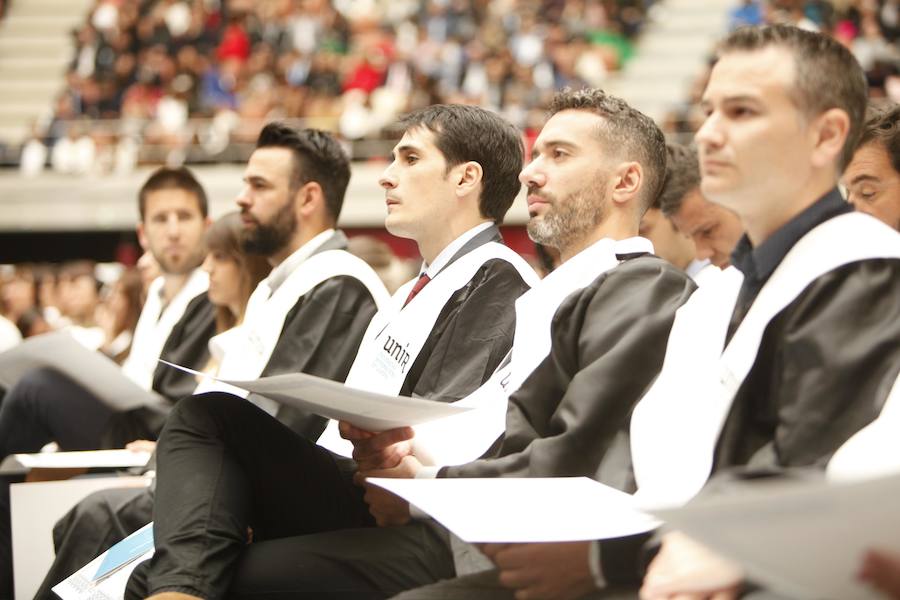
382	450
551	570
388	508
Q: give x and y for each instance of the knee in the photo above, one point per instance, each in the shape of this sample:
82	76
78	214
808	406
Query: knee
200	413
35	384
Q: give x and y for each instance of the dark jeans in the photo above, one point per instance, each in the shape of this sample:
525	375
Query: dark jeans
224	466
46	406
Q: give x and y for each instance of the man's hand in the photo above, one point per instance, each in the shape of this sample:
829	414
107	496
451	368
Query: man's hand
549	571
686	570
882	569
382	450
387	508
141	446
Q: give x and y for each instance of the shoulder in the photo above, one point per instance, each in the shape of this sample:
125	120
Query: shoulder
340	289
498	272
849	288
199	307
648	278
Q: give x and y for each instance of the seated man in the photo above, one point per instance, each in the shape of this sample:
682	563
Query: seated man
175	324
446	189
597	164
806	367
309	315
873	176
682	179
714	229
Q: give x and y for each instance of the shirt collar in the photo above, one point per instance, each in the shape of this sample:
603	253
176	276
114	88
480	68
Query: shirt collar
280	273
760	262
452	248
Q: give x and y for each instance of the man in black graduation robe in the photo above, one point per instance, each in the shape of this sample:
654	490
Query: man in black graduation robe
445	190
827	361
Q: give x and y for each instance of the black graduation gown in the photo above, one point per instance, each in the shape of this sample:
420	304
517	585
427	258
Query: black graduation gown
608	343
825	366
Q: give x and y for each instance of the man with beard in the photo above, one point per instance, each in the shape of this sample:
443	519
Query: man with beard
308	315
441	336
176	323
597	165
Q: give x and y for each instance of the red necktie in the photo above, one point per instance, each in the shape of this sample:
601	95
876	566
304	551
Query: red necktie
422	282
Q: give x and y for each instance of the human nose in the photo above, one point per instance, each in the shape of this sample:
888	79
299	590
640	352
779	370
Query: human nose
703	250
243	198
710	133
173	229
388	179
532	175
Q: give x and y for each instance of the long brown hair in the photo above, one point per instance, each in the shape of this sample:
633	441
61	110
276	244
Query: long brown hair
224	236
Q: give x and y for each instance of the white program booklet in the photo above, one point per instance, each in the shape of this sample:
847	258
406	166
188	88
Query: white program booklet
90	369
367	410
84	459
552	509
803	539
105	577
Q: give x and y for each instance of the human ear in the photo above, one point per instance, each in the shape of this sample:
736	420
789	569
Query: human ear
829	131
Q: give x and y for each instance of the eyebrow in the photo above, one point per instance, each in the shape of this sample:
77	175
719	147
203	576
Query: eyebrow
405	149
863	177
550	144
254	179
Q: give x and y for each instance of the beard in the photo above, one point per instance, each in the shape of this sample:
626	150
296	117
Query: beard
568	220
269	238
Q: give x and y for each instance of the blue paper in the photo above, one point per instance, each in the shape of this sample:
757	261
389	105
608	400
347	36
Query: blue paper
126	551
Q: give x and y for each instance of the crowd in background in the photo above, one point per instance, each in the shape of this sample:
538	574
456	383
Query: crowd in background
869	28
349	66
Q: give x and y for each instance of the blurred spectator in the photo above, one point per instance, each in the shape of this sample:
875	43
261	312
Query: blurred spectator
18	293
157	64
869	28
118	314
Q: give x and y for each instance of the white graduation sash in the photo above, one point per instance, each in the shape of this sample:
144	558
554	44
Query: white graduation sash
246	349
397	333
675	426
155	325
465	437
875	449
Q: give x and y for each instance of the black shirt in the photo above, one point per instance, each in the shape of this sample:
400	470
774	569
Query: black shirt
758	264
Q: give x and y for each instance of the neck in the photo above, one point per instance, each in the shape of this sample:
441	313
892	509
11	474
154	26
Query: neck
766	219
172	284
616	226
433	242
303	235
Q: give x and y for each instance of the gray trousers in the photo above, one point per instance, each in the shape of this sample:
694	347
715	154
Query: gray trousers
485	586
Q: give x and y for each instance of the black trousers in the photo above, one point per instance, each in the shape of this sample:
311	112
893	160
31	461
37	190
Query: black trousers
46	406
224	468
92	527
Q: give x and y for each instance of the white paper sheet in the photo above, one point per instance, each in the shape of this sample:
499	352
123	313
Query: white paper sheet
367	410
91	370
81	586
88	459
802	539
524	509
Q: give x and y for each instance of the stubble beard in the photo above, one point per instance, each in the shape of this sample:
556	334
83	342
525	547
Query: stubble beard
570	220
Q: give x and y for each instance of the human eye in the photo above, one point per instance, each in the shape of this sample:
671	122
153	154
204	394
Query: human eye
411	159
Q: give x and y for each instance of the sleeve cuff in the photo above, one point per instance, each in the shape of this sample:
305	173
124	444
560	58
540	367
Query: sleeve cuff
595	566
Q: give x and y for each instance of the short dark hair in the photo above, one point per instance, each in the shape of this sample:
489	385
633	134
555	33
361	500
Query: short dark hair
626	132
682	177
317	157
168	178
882	127
468	133
826	73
